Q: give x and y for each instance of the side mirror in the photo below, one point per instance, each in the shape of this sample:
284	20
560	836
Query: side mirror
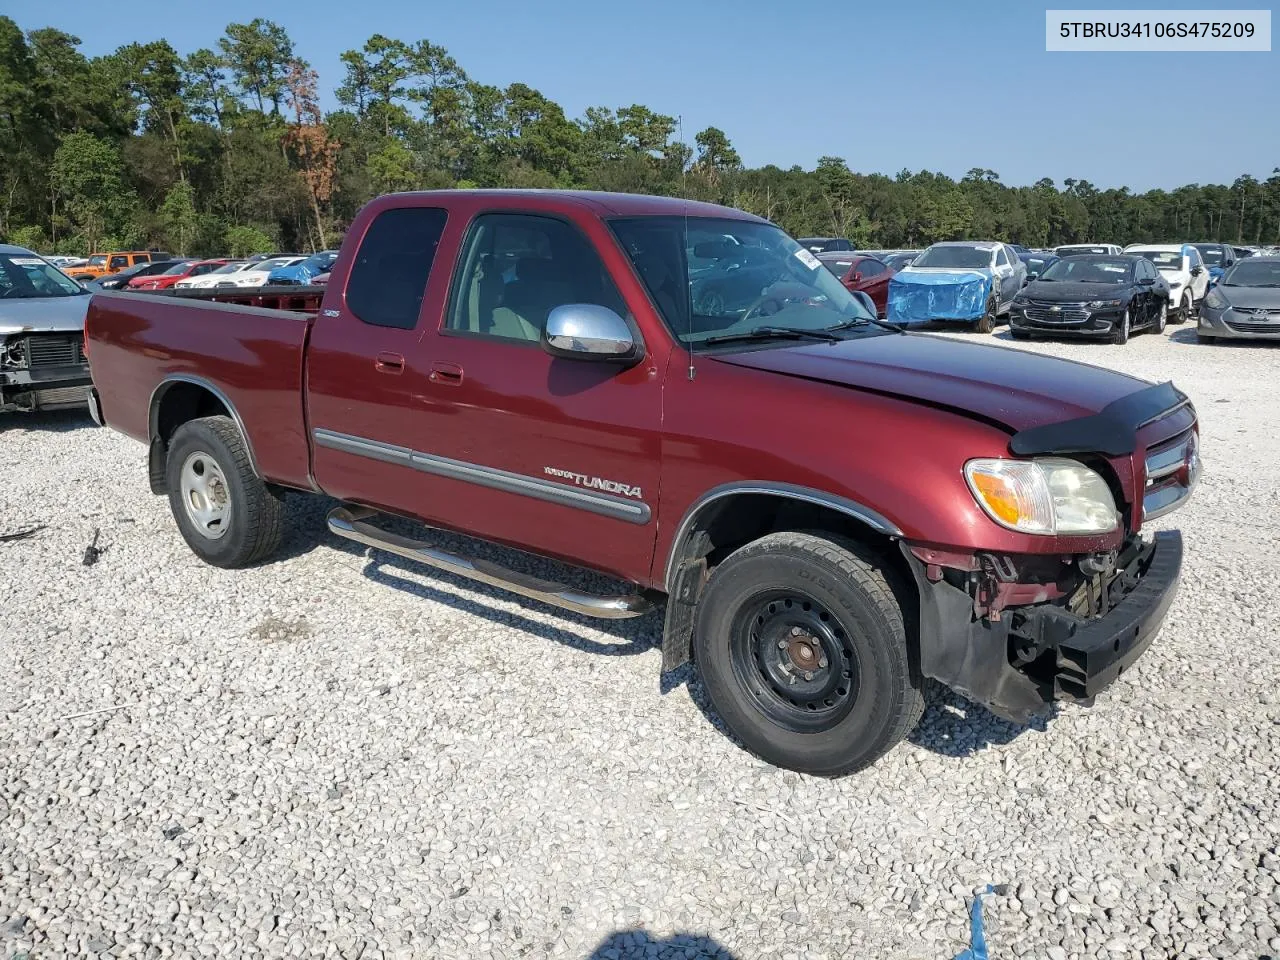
588	331
857	277
864	298
1196	271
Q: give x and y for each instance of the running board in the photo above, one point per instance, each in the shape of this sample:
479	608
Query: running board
351	523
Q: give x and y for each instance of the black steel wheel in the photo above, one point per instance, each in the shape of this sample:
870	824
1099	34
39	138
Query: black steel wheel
795	661
801	644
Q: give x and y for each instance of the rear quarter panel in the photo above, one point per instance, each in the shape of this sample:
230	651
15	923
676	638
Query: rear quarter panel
254	356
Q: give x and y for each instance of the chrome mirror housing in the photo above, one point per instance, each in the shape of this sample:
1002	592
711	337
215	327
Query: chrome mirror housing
588	331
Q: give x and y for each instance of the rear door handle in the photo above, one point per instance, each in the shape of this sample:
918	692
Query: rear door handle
448	374
389	363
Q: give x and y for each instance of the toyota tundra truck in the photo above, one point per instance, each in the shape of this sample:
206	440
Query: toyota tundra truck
833	511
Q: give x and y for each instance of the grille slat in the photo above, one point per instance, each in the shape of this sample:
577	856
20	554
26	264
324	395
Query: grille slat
1170	475
55	350
1044	311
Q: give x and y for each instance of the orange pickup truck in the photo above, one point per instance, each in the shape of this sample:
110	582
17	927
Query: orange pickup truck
101	264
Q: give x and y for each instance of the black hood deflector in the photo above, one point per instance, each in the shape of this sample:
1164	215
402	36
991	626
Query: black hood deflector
1112	431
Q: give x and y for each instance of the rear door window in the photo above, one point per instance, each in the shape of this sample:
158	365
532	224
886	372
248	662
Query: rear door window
389	275
118	263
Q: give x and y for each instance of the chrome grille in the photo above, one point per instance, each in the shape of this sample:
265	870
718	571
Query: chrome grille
55	350
1172	470
1253	321
1047	312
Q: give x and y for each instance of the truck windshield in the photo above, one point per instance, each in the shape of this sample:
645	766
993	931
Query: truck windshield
31	278
713	276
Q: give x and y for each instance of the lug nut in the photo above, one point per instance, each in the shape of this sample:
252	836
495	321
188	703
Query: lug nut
822	662
782	644
796	631
808	674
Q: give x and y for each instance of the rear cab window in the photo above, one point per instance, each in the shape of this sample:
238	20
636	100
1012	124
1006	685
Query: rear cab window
388	277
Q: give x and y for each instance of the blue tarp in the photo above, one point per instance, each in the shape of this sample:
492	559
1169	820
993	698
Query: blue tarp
942	295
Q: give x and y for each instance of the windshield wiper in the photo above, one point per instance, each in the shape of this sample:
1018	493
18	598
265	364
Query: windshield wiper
775	333
863	321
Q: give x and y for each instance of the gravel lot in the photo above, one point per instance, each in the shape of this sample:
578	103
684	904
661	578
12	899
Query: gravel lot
339	756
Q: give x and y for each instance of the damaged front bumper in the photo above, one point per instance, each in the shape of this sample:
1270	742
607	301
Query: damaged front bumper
1018	660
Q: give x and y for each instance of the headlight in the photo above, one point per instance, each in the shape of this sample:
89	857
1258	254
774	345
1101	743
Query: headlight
1174	284
1049	496
1216	301
1095	304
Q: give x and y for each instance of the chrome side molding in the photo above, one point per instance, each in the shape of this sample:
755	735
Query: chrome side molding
352	523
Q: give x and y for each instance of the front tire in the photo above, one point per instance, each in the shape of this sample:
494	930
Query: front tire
987	322
1120	335
1163	316
225	512
801	645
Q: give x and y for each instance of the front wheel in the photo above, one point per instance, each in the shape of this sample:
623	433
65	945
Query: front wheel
801	645
225	512
1120	333
1163	317
1184	308
987	322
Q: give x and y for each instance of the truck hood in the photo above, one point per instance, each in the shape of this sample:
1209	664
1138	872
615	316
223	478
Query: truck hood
43	314
1014	388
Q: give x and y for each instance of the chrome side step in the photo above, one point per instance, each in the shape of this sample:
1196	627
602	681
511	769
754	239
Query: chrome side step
351	523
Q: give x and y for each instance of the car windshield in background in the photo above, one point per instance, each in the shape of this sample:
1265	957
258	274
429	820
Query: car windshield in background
176	269
1253	273
1079	251
1088	270
838	267
273	264
30	278
229	268
752	276
899	260
1164	259
973	258
1211	253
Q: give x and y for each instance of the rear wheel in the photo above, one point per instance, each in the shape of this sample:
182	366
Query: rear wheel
987	322
801	645
1162	316
1120	332
227	515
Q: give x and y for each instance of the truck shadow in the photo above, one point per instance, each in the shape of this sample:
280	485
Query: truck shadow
307	530
641	945
955	727
48	421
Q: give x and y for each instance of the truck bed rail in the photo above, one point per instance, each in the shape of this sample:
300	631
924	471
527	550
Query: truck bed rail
280	297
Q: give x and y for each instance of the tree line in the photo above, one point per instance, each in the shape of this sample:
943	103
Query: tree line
225	150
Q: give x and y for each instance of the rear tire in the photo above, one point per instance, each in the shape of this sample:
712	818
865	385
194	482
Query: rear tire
225	512
987	322
1185	308
801	645
1163	316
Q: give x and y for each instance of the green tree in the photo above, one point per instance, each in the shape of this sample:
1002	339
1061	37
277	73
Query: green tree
258	55
243	241
179	219
88	175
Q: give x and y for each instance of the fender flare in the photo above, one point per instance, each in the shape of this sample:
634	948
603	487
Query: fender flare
157	446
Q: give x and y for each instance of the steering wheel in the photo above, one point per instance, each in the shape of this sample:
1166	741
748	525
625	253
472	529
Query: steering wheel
761	301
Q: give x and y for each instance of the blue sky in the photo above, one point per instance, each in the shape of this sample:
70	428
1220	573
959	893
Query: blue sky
929	84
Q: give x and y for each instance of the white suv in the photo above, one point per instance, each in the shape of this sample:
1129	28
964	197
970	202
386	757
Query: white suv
1181	265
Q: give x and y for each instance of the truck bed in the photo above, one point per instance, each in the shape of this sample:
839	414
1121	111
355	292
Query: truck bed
141	344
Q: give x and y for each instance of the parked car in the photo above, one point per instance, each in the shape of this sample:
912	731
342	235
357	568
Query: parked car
951	533
1089	249
303	271
860	272
825	244
121	280
213	277
101	264
42	311
1092	296
1038	262
255	273
898	259
1218	258
1182	268
182	270
957	280
320	279
64	263
1244	304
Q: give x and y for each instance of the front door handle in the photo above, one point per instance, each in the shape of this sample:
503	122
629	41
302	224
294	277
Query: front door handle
447	374
389	363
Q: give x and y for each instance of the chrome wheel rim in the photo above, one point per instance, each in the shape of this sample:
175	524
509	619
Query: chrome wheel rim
206	495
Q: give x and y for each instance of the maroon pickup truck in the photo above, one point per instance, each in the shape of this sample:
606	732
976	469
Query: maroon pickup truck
834	510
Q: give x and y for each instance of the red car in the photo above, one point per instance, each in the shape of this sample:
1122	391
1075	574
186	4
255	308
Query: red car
829	509
863	273
181	271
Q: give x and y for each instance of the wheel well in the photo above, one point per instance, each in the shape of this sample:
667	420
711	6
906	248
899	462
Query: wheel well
731	522
179	403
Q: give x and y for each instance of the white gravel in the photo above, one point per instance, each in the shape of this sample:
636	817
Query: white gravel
329	756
